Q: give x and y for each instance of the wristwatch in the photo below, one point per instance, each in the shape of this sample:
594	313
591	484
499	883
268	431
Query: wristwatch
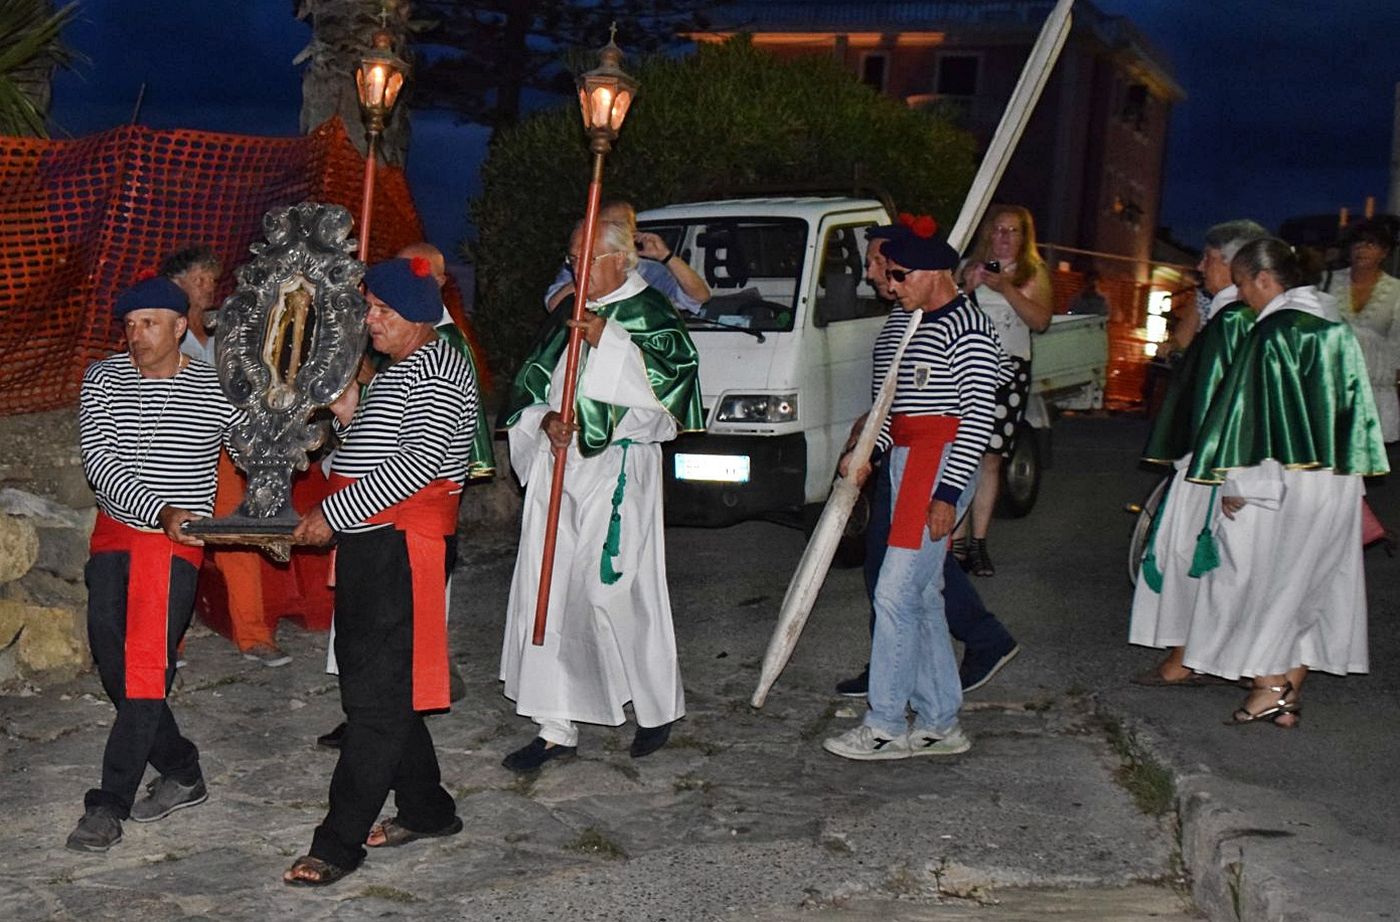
667	258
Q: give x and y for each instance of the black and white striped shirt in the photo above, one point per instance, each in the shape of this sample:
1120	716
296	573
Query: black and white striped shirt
952	367
152	442
414	425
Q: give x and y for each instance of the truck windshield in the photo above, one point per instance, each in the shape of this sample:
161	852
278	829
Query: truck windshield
752	265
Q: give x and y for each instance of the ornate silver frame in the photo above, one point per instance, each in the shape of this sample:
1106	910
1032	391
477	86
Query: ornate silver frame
289	340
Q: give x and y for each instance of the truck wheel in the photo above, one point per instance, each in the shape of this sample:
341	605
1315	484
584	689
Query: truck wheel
1020	476
850	550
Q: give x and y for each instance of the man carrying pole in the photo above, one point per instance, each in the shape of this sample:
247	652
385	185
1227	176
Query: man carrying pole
608	638
940	420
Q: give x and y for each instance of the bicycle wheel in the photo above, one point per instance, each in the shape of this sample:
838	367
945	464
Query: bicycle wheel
1142	528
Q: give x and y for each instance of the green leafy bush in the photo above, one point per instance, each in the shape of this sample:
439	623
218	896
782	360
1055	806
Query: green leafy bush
727	117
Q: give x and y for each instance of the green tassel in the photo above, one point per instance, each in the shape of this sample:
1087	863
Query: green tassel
1207	556
612	545
1150	572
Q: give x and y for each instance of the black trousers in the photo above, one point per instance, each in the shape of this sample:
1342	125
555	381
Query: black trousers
386	746
145	729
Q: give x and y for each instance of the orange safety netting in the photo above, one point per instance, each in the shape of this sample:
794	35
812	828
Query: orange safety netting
81	219
1128	359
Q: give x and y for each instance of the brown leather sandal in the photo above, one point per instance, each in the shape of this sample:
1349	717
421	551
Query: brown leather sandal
396	833
326	873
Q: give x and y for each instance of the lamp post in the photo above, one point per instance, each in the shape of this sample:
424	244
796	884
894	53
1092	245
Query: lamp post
605	94
378	79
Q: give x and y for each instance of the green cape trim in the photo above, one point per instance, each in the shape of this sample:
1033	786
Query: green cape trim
482	462
1195	381
1296	393
672	364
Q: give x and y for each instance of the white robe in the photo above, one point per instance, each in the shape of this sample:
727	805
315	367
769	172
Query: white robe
604	645
1290	589
1161	619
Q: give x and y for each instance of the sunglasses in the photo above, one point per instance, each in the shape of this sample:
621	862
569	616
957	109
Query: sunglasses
899	276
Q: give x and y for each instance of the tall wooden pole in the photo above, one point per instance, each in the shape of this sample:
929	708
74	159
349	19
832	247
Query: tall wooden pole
367	202
582	270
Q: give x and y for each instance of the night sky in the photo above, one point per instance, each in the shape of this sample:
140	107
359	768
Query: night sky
1289	109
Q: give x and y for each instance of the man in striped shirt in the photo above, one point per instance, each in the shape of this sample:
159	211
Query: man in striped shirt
398	476
938	427
151	422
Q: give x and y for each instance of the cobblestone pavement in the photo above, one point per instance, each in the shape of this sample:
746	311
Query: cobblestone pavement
741	816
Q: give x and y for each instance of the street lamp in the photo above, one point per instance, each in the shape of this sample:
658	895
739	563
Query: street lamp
378	79
604	94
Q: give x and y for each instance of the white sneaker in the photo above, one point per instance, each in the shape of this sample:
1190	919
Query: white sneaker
867	744
924	742
270	655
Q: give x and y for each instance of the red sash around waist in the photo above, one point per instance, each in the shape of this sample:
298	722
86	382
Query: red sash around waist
147	598
426	518
925	437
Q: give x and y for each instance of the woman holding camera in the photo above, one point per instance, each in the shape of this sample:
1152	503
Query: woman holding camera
1009	282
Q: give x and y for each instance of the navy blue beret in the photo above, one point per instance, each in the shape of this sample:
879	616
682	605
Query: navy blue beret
157	291
407	286
914	252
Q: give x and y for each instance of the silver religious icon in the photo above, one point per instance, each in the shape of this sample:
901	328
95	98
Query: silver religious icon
289	340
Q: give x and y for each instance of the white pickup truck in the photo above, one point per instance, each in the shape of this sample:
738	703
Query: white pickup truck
785	357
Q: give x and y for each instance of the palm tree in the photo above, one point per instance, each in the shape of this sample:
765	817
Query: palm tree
340	34
30	49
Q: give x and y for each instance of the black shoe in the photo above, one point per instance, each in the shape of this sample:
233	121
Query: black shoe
97	831
979	560
856	686
333	739
649	739
530	757
164	796
977	671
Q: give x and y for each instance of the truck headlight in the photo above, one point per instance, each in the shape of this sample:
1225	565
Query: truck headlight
758	408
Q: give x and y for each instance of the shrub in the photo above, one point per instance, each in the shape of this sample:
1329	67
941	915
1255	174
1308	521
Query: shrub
727	117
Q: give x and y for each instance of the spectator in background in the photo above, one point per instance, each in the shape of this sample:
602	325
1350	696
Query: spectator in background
660	268
1089	300
1369	299
196	269
1008	280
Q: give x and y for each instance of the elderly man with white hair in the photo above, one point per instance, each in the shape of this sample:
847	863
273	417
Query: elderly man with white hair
1165	597
609	638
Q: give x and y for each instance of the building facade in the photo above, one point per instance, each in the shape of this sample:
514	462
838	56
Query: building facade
1090	163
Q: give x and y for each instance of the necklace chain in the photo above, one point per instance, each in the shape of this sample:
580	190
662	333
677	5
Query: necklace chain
145	450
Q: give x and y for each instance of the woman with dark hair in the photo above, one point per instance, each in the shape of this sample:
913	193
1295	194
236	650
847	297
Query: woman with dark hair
1370	302
1009	282
1287	440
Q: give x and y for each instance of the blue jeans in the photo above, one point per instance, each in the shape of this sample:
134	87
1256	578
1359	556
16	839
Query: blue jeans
911	657
984	637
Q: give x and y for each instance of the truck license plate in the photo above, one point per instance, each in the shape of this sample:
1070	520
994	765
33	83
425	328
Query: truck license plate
723	468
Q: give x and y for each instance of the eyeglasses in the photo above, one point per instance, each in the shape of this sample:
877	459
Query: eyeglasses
572	260
1006	231
899	276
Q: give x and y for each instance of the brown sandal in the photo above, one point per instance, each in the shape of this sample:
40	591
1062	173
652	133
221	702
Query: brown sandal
396	833
326	873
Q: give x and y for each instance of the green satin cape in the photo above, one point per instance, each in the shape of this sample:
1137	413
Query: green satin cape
1297	392
482	462
1194	383
672	364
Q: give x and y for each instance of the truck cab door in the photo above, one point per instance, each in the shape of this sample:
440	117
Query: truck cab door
844	318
